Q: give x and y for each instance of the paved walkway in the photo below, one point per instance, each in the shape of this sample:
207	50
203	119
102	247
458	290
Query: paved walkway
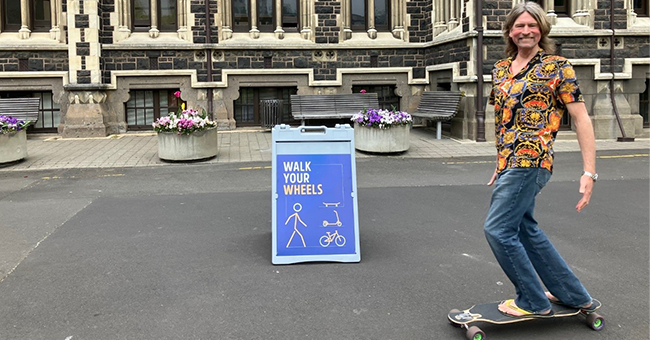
141	149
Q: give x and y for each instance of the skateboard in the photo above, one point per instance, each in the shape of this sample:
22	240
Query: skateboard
489	312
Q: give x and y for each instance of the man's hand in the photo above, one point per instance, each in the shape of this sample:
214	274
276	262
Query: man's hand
586	187
493	179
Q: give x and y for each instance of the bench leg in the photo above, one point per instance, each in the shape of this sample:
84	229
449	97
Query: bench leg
439	129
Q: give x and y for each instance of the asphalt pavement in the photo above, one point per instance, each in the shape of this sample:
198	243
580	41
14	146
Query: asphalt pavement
93	248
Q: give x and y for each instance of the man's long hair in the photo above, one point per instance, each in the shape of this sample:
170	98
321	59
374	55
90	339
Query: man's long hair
538	13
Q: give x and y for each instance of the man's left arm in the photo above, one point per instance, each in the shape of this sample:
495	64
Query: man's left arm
587	141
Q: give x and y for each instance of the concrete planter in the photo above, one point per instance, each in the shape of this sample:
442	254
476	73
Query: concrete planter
395	139
195	146
13	146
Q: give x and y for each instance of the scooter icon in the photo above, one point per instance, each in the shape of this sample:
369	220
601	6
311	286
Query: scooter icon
338	221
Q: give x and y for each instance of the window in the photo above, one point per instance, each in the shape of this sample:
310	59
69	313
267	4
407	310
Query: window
240	15
144	19
266	15
49	113
360	17
248	109
40	18
290	16
561	6
641	7
145	106
385	93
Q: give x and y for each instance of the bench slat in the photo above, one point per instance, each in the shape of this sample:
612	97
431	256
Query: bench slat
438	105
20	108
331	106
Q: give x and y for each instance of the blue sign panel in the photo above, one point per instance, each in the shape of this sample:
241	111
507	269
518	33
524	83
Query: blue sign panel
314	203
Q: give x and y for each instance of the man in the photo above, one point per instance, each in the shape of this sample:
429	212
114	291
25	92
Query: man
531	90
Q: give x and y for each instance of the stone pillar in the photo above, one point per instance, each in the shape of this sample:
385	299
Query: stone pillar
86	111
279	32
254	32
581	15
398	19
55	12
372	31
25	14
604	119
123	31
183	31
306	16
153	31
226	19
346	33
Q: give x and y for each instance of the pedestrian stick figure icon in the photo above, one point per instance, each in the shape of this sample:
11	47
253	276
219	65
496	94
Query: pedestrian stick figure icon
297	208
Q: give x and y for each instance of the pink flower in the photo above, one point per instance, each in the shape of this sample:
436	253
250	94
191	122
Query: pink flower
363	91
177	94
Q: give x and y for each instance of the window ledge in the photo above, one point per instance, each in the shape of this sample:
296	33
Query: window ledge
383	39
36	40
266	39
143	38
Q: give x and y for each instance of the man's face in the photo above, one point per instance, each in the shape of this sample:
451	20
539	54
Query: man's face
525	32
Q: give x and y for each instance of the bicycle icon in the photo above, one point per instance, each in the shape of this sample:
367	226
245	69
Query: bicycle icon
338	239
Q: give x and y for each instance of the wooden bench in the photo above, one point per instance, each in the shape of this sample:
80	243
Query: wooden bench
21	108
331	106
438	106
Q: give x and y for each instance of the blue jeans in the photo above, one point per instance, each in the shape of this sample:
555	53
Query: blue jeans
522	249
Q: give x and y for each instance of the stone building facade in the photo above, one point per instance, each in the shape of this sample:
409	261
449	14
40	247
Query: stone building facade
111	66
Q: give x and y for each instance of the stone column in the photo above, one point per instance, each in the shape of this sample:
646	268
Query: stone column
279	32
439	24
123	31
55	12
153	31
346	33
85	116
24	31
604	119
254	32
226	19
183	32
306	16
453	14
397	19
581	16
372	31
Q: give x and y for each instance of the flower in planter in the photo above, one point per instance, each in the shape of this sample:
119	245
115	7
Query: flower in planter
381	118
184	122
10	124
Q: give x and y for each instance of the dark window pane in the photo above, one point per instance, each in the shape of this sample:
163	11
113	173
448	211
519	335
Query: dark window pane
240	15
265	15
290	14
11	17
168	15
358	12
42	15
381	15
141	15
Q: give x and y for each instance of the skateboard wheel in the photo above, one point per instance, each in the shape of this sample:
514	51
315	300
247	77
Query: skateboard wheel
595	321
475	333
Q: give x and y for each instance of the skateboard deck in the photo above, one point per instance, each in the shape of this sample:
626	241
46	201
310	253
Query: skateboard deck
489	312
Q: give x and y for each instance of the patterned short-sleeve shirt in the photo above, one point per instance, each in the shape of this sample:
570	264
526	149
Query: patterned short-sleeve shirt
529	107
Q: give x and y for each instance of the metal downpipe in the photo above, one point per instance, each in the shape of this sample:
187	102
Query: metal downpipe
480	111
623	138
